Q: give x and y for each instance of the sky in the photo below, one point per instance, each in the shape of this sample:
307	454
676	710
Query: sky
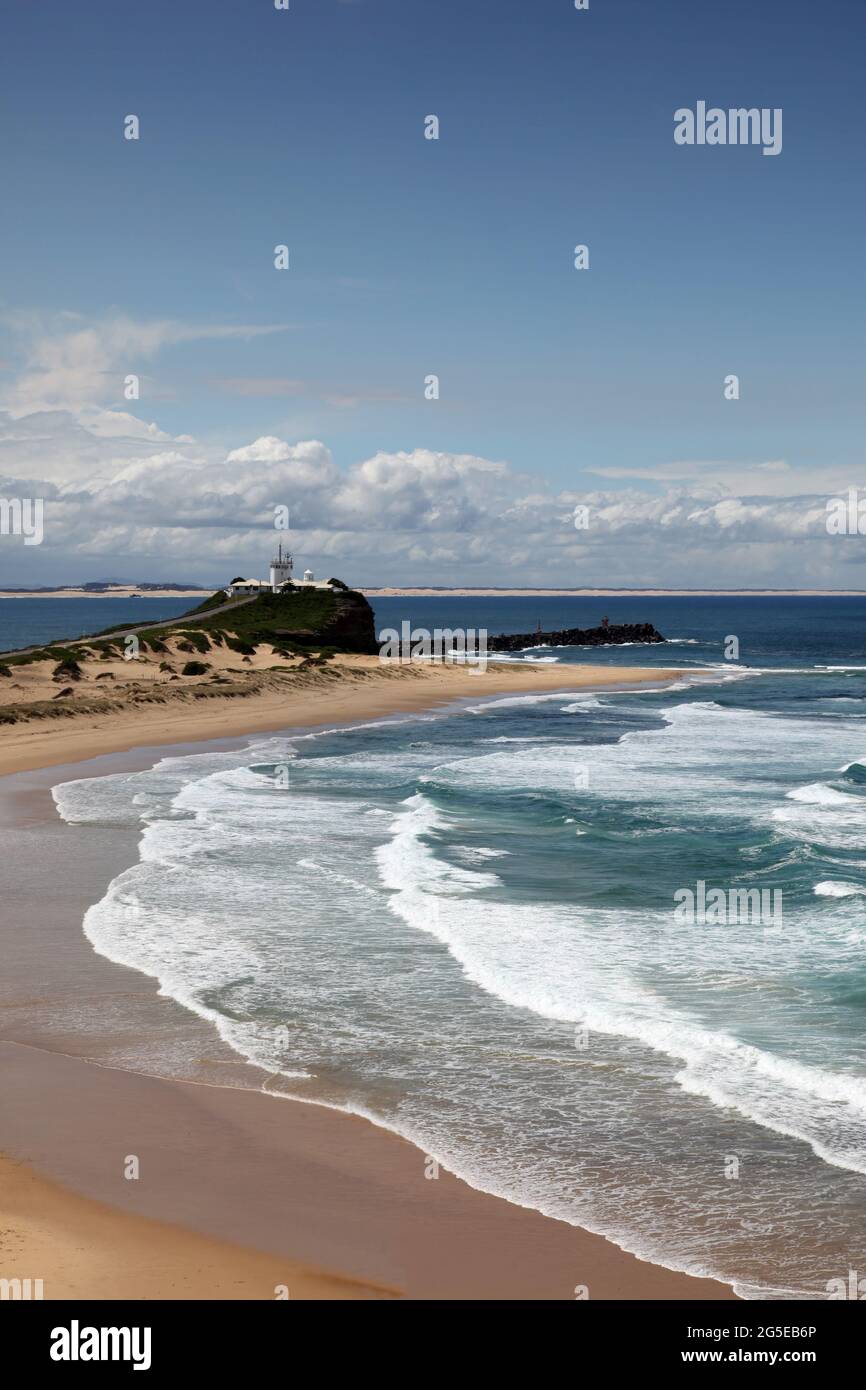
602	388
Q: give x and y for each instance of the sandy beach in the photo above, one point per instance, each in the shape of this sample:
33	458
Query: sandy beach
263	700
239	1193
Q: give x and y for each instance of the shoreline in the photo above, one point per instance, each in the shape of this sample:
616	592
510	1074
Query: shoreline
420	592
350	689
234	1187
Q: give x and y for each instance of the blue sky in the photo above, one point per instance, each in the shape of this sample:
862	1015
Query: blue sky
411	257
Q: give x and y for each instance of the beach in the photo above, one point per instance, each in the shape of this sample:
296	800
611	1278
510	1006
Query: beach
441	874
239	1194
348	688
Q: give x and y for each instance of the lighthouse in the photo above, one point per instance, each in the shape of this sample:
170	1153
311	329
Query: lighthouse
281	568
281	575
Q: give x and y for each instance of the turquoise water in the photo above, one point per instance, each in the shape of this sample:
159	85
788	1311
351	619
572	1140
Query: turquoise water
462	924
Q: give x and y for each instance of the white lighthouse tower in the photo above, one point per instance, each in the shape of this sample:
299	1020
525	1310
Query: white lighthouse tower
281	568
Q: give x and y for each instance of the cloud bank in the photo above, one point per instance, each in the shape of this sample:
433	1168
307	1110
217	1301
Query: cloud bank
121	492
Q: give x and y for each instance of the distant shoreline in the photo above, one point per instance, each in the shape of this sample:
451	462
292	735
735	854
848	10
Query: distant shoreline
389	591
124	591
610	593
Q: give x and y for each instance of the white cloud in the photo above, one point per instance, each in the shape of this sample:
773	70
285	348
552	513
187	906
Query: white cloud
419	515
70	367
267	449
118	487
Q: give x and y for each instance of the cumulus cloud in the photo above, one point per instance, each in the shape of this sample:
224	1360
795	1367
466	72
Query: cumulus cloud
63	447
170	488
418	515
118	487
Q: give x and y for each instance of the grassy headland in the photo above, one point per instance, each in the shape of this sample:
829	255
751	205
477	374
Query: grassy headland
241	641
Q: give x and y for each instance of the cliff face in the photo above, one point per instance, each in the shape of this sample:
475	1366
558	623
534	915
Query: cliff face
350	626
344	621
611	634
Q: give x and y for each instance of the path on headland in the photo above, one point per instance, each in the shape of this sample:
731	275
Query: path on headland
131	631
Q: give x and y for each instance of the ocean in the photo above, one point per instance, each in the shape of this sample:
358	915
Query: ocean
26	622
467	926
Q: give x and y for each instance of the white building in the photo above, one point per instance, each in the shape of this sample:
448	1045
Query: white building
240	587
280	578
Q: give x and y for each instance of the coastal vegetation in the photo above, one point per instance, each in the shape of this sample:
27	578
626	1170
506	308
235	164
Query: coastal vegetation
298	622
251	645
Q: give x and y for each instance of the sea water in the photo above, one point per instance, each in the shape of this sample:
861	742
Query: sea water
462	924
28	622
